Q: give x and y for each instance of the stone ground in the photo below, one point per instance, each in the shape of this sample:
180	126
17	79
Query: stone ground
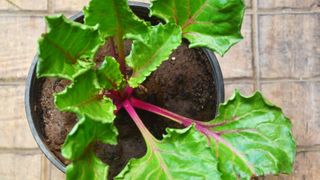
280	56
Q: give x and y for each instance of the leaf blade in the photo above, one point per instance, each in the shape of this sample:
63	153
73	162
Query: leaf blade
174	158
214	24
84	133
68	49
118	19
109	74
148	54
79	147
255	137
82	170
84	97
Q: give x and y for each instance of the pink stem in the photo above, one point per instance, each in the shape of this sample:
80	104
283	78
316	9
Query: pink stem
118	98
128	91
162	112
168	114
133	114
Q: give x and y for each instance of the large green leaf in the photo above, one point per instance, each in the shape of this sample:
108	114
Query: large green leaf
115	18
79	147
109	74
182	154
84	97
148	54
214	24
68	48
251	137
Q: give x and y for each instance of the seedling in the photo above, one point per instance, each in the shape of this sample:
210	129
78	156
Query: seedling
249	137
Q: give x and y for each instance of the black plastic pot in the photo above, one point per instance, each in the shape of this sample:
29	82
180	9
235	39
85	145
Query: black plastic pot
33	87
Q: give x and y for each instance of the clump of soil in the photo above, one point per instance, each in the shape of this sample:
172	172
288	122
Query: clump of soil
183	84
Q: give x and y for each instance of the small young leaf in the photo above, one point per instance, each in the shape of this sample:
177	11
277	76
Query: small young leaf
79	147
67	50
109	74
84	97
251	137
182	154
115	18
155	48
215	24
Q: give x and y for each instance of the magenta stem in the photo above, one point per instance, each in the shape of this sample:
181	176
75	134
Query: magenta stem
118	97
133	114
162	112
128	91
157	110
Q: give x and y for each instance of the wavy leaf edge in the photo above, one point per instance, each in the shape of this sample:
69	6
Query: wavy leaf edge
49	30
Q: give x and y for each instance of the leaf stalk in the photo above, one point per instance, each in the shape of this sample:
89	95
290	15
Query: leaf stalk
133	114
160	111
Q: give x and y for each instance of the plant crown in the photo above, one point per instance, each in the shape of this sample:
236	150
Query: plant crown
249	136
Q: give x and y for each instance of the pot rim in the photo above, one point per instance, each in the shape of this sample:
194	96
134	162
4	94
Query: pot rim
31	81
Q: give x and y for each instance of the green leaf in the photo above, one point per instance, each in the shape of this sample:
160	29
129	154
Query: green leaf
115	18
148	54
214	24
68	49
84	97
109	74
251	137
182	154
79	147
88	167
84	133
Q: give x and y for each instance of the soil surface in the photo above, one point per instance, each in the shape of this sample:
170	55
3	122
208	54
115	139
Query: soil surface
183	84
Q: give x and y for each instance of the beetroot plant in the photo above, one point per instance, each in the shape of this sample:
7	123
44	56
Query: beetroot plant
249	136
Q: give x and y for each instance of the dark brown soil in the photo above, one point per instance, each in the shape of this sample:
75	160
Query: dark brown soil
56	124
183	84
